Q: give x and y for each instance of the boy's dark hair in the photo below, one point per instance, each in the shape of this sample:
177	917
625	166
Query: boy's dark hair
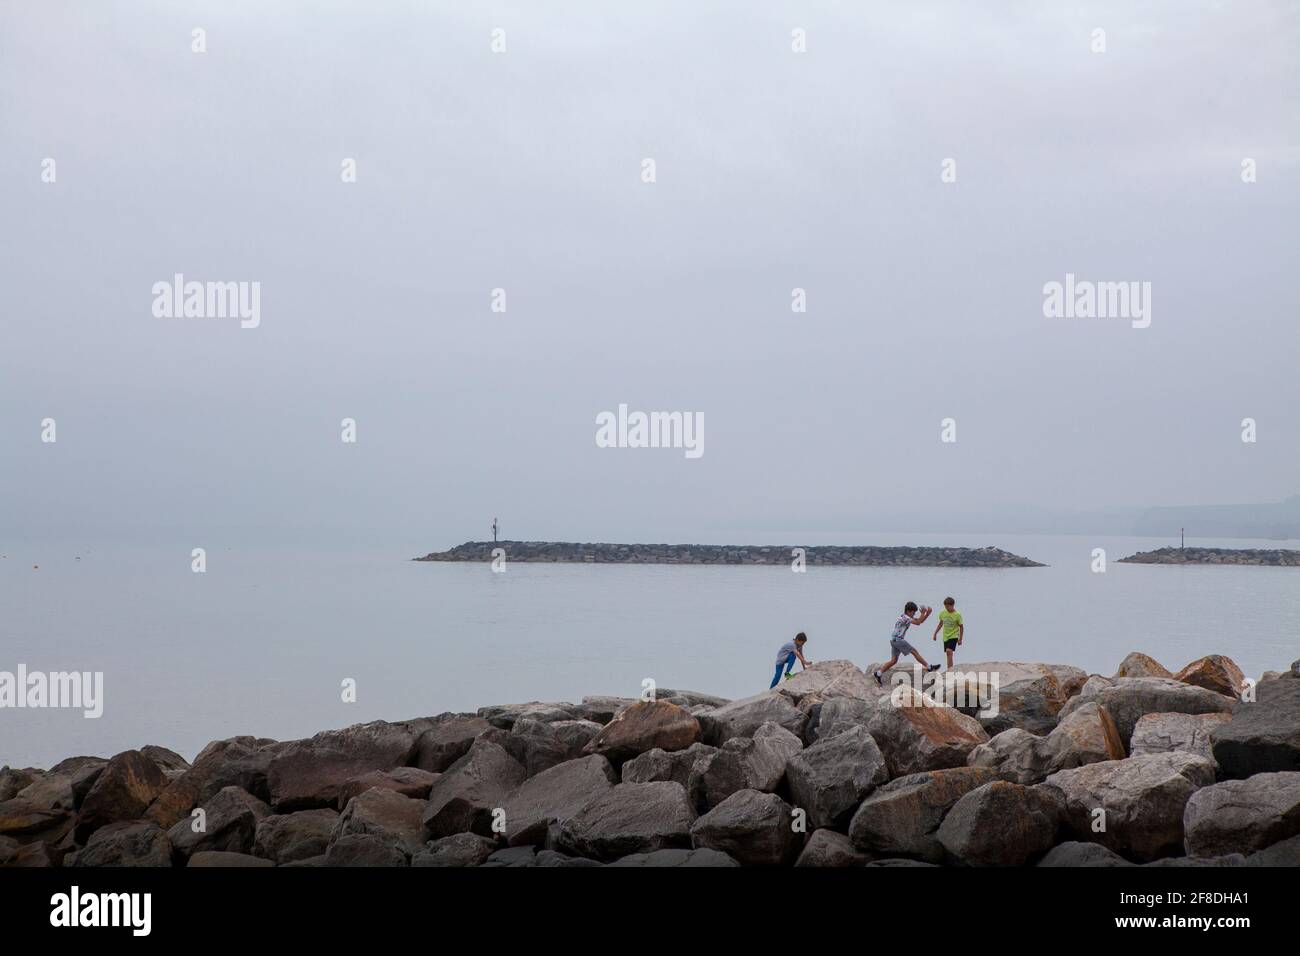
910	607
801	638
949	601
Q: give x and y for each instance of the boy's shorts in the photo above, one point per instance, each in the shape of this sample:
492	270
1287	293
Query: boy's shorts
899	646
950	645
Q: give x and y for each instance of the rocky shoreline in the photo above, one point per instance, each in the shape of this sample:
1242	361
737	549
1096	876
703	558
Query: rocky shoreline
825	555
1197	768
1270	557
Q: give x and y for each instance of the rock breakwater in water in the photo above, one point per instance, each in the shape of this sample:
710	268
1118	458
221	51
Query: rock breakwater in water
1197	768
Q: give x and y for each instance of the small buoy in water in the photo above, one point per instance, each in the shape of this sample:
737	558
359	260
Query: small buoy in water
36	567
78	557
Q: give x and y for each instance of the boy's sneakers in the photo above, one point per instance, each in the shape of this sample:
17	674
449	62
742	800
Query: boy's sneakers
934	667
789	676
876	675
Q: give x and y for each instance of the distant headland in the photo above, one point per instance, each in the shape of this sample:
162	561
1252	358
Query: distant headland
825	555
1272	557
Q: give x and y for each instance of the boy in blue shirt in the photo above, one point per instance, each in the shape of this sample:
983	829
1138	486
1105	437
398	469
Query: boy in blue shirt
786	656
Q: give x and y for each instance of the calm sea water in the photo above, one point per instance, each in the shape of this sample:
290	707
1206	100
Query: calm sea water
261	643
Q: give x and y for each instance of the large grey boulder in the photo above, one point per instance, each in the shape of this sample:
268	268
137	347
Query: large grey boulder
1076	853
1243	816
228	822
660	764
690	859
1000	824
460	850
743	763
901	818
1284	853
1165	733
123	790
226	860
408	781
13	780
540	745
307	774
441	745
503	716
827	849
63	787
1263	735
1128	699
629	818
753	828
646	725
1030	696
126	843
1088	735
553	796
836	716
1139	801
361	849
286	837
602	708
385	814
740	718
915	734
826	681
221	763
830	779
463	799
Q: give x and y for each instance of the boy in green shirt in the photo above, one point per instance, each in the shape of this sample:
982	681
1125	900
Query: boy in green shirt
953	629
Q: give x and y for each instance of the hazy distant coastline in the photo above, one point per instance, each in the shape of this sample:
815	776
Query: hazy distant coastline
825	555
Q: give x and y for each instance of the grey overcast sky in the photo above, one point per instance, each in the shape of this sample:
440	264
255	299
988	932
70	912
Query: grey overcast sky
522	170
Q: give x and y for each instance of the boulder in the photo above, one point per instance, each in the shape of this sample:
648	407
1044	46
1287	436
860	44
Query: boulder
503	716
829	849
308	774
1243	816
127	843
1215	672
463	798
836	716
286	837
825	681
1143	799
1000	824
1165	733
408	781
385	814
902	817
646	725
830	779
553	796
703	857
168	761
122	791
34	856
1088	735
463	849
551	858
222	858
243	768
26	824
602	709
229	823
442	745
690	698
191	787
743	763
1029	695
1285	853
361	849
1128	699
1138	664
916	734
1074	853
629	818
514	856
539	745
1262	736
740	718
754	828
659	764
12	781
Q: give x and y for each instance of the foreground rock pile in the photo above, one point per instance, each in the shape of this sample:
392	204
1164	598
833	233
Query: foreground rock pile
864	556
1055	767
